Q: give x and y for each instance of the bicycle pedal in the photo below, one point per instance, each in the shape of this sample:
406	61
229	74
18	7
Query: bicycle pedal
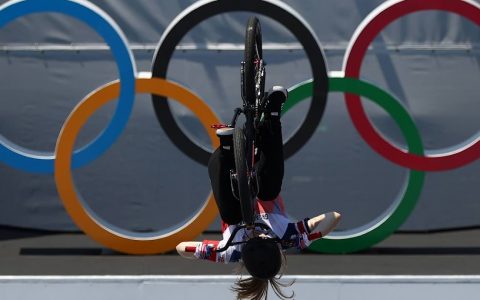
219	126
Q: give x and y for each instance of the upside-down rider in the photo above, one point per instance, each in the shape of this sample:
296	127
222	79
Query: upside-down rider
262	253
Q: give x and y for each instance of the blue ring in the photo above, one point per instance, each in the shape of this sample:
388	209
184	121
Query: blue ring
14	155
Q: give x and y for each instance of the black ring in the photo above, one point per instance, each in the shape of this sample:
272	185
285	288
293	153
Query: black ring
275	10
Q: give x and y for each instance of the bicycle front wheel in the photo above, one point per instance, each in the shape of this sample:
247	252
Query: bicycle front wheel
254	80
243	172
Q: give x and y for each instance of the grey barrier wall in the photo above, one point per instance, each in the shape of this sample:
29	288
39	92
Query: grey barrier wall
219	287
49	62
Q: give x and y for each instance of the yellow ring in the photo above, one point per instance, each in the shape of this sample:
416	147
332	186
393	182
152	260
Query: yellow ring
66	187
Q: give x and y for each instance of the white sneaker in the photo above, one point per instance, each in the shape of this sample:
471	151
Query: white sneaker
277	96
226	137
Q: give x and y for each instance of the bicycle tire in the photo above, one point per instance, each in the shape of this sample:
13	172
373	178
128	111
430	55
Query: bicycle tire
242	171
253	52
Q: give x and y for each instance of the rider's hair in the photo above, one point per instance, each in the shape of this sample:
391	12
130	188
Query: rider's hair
263	259
257	289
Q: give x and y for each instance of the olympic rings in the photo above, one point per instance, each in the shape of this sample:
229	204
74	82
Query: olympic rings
29	161
363	36
279	11
85	218
377	230
318	88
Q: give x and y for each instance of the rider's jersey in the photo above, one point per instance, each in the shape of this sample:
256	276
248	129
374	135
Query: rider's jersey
270	213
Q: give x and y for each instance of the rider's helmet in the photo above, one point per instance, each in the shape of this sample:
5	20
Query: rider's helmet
262	257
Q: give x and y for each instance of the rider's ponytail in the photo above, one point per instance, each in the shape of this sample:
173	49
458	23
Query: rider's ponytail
251	288
256	288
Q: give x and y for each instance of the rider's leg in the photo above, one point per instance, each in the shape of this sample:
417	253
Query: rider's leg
271	165
219	166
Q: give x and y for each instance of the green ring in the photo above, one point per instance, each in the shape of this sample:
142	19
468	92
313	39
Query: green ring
365	236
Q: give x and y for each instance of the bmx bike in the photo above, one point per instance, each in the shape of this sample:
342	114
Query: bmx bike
246	136
246	145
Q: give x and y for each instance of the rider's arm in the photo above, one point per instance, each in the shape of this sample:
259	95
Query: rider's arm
304	232
198	250
324	223
207	250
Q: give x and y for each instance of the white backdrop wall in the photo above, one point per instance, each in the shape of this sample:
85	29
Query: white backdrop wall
429	60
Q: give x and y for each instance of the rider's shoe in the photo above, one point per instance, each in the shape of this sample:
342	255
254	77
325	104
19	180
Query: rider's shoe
226	137
276	97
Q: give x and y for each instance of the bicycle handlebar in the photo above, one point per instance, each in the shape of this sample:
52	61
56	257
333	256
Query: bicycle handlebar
234	233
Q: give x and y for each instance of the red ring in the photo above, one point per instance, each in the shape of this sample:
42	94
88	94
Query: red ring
364	35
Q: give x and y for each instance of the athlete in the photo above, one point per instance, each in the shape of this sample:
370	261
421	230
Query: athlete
260	250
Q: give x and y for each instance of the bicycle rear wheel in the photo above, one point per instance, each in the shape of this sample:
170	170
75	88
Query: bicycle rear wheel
254	80
243	172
